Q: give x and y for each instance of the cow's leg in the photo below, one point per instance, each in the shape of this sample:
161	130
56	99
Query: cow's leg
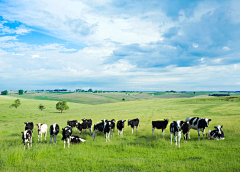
64	143
203	133
189	135
55	139
171	137
121	132
153	131
31	141
198	134
137	128
113	133
163	131
118	132
50	138
132	130
93	135
68	141
179	138
175	137
90	131
45	136
38	137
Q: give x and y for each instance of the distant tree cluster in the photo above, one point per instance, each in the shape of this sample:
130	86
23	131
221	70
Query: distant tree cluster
4	92
16	103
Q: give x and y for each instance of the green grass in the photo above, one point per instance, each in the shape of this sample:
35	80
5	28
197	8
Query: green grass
138	152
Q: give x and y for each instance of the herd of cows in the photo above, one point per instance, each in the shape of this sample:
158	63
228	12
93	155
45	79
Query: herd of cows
108	126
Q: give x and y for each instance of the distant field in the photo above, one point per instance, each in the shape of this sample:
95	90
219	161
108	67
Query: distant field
138	152
102	98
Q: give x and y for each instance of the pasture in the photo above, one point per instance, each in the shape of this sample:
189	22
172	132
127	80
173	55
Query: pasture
138	152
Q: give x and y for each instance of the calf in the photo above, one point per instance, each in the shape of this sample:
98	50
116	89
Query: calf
29	125
86	124
159	125
66	133
216	134
42	129
76	139
185	130
175	129
27	137
54	130
120	126
72	123
199	124
98	127
133	123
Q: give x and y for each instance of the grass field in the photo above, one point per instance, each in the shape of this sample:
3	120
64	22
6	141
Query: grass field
138	152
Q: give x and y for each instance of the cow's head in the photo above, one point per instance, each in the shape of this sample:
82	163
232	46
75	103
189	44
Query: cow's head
179	124
129	122
54	128
219	129
39	126
25	122
207	122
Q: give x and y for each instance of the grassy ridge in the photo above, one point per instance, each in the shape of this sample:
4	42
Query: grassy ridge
140	151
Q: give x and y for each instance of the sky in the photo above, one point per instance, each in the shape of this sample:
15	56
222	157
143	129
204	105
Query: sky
122	45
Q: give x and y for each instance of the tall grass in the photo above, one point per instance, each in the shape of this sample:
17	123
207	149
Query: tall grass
138	152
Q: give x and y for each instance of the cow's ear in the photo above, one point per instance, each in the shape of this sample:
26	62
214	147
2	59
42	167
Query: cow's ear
22	132
209	120
62	128
36	125
215	127
222	126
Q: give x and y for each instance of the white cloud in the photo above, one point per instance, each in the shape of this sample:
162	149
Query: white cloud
226	48
7	38
37	56
195	45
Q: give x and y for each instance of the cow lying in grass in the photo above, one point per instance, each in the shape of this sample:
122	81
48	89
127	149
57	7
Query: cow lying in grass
216	134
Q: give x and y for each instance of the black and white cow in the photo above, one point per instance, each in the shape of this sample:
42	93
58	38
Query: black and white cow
159	125
120	126
175	129
112	125
42	129
76	139
86	124
72	123
107	130
133	123
199	124
99	127
66	133
54	130
27	137
29	126
185	130
216	134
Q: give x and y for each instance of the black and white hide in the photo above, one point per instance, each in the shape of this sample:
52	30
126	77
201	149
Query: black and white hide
76	139
98	127
112	125
86	124
216	134
175	129
107	130
185	130
134	123
72	123
27	137
120	126
160	125
29	126
54	130
199	124
66	133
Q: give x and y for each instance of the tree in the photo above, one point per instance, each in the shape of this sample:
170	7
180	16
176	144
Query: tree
20	92
82	91
4	92
16	103
41	107
62	106
90	90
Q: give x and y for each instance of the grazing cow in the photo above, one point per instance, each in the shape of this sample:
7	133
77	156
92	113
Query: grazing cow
86	124
98	127
54	130
66	133
185	130
72	123
216	134
175	129
76	139
199	124
133	123
27	137
159	125
42	129
120	126
29	126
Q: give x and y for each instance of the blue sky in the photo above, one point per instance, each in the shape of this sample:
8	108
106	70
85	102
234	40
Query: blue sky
120	45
